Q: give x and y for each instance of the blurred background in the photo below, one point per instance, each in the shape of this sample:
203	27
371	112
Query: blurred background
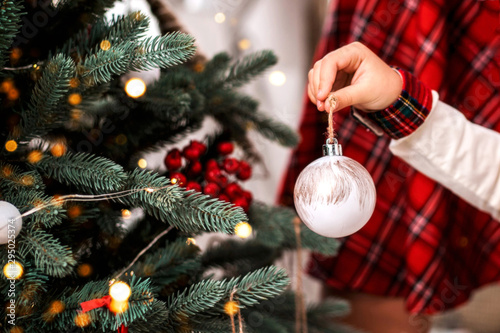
291	29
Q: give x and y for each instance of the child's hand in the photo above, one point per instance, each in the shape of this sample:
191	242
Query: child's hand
357	77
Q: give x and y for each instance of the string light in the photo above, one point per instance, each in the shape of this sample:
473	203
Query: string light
11	145
120	291
135	87
105	45
231	308
58	150
56	307
27	180
74	211
35	156
82	319
7	171
16	53
126	213
6	86
118	306
191	241
13	94
244	44
74	82
142	163
277	78
74	98
13	270
220	17
243	230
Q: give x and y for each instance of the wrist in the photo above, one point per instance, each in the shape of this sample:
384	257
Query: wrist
408	111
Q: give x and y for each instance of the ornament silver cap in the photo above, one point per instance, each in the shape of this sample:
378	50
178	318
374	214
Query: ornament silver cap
332	149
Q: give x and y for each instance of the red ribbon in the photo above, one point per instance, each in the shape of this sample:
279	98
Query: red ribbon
99	303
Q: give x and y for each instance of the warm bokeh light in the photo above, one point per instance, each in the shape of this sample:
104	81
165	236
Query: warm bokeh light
118	306
74	82
7	171
11	145
82	319
277	78
120	291
13	270
56	307
58	150
126	213
16	53
6	86
191	241
121	139
135	87
244	44
13	94
27	180
231	308
173	180
142	163
105	45
16	329
74	211
84	270
35	156
74	98
150	190
243	230
220	17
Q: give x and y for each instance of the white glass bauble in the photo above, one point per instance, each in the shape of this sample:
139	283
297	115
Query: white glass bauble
10	219
334	195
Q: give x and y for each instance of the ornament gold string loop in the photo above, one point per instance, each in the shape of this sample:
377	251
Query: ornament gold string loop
332	101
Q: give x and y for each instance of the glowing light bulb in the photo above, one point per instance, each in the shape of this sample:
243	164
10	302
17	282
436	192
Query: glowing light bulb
105	45
56	307
126	213
84	270
82	320
135	87
11	145
231	308
243	230
118	306
74	99
220	17
150	190
277	78
120	291
35	156
244	44
74	82
142	163
58	150
13	270
190	241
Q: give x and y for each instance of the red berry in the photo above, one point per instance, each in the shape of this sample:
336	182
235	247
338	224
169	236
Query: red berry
178	178
222	181
211	189
195	168
191	185
201	147
191	153
231	165
244	171
225	148
233	190
247	195
212	175
224	197
173	160
212	164
242	202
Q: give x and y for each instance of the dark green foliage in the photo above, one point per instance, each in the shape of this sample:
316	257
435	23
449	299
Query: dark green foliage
275	228
43	112
50	256
10	19
87	172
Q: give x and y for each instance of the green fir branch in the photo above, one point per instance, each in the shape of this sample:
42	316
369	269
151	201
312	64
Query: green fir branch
49	255
43	112
10	22
86	171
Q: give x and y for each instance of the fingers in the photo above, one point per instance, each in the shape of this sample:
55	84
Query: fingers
345	97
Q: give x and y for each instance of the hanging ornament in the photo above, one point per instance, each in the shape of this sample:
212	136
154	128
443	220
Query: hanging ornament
10	222
334	195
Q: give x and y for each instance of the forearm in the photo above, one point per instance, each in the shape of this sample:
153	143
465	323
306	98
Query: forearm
442	144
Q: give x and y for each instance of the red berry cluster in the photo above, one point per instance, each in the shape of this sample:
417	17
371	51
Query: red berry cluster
217	178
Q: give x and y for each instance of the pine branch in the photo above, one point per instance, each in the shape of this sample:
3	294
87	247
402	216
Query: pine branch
279	220
153	321
87	172
198	298
163	51
43	112
49	255
10	22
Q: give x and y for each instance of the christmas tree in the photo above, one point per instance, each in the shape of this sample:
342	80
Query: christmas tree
74	135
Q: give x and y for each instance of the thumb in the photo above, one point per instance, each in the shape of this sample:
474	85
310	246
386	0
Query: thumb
343	98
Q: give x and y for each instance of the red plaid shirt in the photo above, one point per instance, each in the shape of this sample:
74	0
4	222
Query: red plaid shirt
422	242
